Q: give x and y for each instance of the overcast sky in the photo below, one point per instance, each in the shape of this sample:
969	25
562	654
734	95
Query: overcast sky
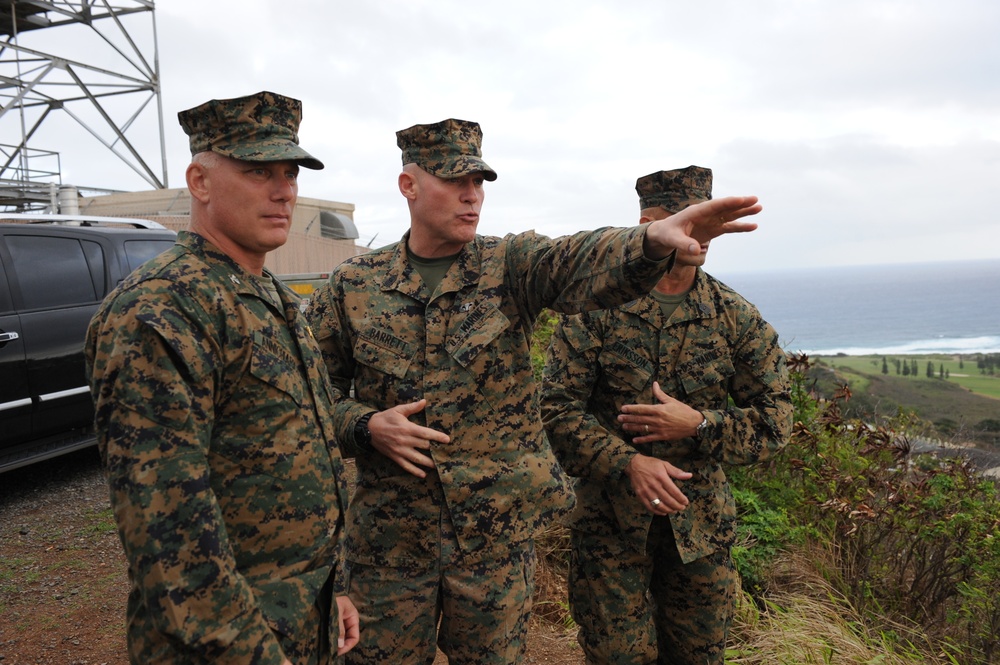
870	129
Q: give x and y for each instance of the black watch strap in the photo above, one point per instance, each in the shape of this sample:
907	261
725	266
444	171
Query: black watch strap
363	435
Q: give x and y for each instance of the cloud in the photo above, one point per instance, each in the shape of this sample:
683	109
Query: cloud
869	128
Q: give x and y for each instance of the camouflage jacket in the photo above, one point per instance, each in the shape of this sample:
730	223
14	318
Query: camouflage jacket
466	349
213	419
715	354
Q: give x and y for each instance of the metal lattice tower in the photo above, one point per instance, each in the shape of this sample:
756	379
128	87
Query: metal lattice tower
94	61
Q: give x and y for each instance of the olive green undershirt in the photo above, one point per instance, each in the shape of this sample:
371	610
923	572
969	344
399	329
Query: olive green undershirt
272	290
432	271
669	303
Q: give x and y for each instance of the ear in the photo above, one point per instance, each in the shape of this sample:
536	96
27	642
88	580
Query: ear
197	181
645	219
408	185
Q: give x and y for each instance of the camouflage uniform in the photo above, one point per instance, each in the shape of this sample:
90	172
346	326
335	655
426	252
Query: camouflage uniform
213	420
715	354
465	348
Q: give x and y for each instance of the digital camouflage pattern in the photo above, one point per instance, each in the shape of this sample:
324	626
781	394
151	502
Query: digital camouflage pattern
713	349
688	620
213	421
466	349
486	605
257	128
676	189
447	149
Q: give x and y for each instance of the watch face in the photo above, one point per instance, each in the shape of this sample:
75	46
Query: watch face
362	435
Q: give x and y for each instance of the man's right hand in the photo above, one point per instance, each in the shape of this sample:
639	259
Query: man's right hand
653	480
403	441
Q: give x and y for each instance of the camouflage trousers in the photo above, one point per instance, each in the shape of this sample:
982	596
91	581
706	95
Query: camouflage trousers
475	612
634	607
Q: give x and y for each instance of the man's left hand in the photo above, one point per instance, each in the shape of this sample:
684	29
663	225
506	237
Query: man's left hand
667	421
687	230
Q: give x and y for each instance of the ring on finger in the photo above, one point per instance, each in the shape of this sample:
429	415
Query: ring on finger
647	429
655	502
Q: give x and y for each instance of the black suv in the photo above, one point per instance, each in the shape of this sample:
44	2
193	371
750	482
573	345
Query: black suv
54	272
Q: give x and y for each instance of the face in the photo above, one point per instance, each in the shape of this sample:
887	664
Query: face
248	205
444	212
653	214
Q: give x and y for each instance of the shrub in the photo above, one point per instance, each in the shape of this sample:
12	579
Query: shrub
914	540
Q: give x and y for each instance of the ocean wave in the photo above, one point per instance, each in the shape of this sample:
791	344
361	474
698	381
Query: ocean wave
964	346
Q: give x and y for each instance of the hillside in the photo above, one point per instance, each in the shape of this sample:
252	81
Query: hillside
963	408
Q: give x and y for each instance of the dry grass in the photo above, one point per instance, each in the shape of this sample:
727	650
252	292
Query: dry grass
551	604
804	620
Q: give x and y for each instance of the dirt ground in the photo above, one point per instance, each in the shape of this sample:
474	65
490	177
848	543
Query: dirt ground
62	573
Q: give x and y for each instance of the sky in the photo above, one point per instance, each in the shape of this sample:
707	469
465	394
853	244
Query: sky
869	129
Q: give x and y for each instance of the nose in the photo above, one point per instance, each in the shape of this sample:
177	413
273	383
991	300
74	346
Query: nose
285	189
470	192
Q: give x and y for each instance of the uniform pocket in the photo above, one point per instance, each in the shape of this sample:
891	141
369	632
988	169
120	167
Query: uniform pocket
275	366
480	328
384	352
626	371
713	369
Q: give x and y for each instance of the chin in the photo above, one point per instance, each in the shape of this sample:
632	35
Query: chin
275	240
467	234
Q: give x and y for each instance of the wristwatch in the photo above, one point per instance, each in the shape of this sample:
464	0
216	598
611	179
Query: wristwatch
363	435
699	431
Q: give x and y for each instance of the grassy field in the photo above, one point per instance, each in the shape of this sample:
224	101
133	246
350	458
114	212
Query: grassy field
963	373
965	406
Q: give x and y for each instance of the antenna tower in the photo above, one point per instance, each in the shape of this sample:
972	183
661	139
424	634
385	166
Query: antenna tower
94	62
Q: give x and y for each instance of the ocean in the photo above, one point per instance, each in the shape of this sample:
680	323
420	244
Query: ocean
947	307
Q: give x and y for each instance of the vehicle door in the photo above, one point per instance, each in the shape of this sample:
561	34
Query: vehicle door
15	398
56	285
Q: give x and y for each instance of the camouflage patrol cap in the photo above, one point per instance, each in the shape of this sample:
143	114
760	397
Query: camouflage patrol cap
674	190
258	128
447	149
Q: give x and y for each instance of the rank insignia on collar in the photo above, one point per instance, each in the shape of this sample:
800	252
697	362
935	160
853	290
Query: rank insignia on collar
234	279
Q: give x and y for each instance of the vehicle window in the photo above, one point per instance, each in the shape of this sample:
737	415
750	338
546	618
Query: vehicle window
6	305
95	261
51	272
139	251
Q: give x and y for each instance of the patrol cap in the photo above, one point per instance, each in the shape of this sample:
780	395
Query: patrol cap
257	128
674	190
447	149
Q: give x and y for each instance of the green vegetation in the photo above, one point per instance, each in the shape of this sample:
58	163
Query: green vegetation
850	548
16	570
909	547
99	522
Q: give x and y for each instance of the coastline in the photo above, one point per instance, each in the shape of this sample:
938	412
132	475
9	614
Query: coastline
941	347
